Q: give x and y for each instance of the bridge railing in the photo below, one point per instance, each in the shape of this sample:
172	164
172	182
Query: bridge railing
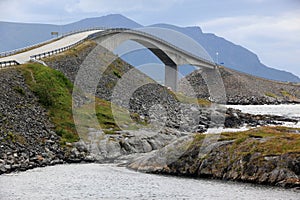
56	51
4	64
15	51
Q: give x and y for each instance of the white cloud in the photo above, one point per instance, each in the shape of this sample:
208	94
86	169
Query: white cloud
116	6
274	38
32	10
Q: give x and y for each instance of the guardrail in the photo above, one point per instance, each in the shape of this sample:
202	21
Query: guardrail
15	51
56	51
4	64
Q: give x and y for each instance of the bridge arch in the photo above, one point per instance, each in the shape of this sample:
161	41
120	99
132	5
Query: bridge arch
169	54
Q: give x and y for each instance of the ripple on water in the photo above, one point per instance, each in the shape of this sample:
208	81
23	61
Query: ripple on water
95	181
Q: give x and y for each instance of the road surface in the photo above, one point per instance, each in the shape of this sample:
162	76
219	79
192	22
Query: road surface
63	42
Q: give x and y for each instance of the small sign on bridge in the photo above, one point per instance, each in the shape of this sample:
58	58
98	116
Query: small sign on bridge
54	33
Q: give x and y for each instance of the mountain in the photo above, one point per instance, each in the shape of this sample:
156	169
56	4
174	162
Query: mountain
18	35
30	33
111	21
233	56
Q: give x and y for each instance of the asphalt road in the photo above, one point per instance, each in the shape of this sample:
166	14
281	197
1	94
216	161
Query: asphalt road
63	42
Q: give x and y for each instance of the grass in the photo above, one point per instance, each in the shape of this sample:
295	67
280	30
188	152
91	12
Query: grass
285	93
191	100
265	140
106	118
54	92
11	137
270	94
19	90
288	95
117	74
256	144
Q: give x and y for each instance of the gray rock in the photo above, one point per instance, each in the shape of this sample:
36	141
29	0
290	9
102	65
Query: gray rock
7	167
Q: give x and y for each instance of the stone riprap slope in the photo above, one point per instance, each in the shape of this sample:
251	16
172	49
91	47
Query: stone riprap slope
246	89
27	138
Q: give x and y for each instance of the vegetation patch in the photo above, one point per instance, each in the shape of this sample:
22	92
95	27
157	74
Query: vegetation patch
256	144
12	137
270	94
117	74
285	93
265	140
191	100
19	90
54	91
106	118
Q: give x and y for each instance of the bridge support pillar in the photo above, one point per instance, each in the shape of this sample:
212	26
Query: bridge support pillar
171	77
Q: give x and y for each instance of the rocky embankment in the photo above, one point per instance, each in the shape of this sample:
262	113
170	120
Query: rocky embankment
241	157
27	138
245	89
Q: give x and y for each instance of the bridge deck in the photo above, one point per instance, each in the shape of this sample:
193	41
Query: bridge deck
65	41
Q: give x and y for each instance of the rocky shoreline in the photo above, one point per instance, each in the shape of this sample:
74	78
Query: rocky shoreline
226	159
28	140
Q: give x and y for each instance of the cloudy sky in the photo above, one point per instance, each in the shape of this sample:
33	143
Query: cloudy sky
270	28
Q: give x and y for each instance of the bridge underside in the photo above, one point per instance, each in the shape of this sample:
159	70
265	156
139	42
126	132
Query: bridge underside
171	69
170	56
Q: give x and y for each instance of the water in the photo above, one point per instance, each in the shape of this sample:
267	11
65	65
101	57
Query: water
96	181
287	110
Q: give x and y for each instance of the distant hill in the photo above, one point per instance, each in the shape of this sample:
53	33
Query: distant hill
233	56
243	88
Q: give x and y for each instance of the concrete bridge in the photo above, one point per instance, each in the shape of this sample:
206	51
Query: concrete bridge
172	56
